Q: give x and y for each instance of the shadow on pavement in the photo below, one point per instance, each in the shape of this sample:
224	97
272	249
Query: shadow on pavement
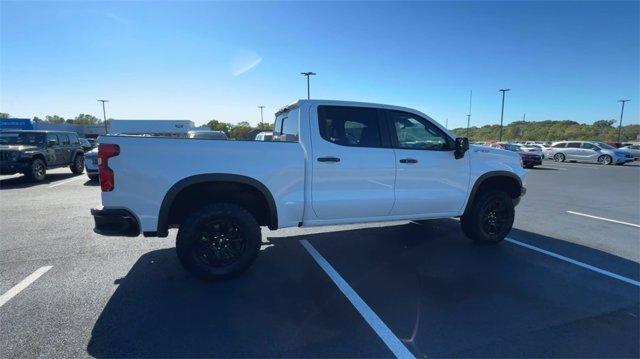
440	294
23	182
91	183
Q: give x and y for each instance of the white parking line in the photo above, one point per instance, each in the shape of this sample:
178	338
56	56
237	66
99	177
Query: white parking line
23	284
65	182
604	219
578	263
393	343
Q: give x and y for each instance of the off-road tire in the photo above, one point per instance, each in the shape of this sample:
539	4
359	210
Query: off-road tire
198	243
77	167
37	170
474	223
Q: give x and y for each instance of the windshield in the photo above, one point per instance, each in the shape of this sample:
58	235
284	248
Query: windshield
512	147
21	138
605	146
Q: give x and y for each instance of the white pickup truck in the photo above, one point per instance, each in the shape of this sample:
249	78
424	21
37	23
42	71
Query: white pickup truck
329	162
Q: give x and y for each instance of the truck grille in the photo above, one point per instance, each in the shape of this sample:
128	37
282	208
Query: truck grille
5	155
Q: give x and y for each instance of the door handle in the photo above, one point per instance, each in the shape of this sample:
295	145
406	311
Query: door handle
408	160
328	159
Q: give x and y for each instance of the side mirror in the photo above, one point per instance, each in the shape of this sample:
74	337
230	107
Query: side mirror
51	143
462	146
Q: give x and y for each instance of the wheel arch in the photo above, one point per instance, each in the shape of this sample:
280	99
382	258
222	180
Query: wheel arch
213	179
505	180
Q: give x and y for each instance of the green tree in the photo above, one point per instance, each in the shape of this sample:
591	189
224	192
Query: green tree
265	126
4	115
215	125
54	119
36	119
241	131
84	119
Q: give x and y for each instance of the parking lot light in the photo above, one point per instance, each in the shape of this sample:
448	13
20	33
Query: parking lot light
620	123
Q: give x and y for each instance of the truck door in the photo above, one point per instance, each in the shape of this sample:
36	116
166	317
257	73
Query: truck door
53	151
429	179
353	164
65	147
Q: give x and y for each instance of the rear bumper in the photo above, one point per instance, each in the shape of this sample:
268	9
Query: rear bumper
115	222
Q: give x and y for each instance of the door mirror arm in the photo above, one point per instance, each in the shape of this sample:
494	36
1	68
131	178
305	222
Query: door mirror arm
461	146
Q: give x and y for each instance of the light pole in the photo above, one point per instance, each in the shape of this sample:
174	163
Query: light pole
621	113
261	118
469	115
104	114
446	124
307	74
502	112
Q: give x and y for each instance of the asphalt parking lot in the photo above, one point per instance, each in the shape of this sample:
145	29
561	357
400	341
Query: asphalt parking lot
565	284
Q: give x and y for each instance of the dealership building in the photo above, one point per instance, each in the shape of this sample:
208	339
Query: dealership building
130	127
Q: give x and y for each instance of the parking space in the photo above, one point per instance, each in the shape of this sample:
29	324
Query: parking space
435	292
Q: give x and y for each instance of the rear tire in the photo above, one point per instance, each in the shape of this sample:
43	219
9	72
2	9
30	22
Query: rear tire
218	242
559	157
37	171
77	167
490	217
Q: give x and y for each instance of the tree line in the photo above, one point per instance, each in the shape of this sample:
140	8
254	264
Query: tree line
242	130
603	130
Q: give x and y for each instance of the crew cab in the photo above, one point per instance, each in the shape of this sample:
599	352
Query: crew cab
329	162
33	152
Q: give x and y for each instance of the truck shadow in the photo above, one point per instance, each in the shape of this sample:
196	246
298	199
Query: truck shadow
21	181
440	294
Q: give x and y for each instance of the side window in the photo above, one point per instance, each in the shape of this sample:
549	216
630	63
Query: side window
573	145
417	133
52	137
588	146
560	145
350	126
286	127
64	139
73	139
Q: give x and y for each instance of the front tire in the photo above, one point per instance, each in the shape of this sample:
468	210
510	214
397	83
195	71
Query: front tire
559	157
490	218
37	170
218	242
77	167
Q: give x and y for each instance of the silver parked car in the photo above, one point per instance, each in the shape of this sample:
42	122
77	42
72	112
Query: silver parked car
91	164
589	151
633	149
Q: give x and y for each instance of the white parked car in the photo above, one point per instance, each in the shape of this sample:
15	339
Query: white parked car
264	136
335	163
207	135
91	164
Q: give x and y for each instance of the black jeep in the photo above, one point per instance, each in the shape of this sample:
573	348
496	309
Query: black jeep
33	152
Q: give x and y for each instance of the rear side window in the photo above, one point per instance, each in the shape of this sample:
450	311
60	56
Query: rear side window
573	145
286	127
73	138
560	145
52	137
350	126
64	139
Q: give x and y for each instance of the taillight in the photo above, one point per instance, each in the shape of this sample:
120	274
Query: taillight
105	151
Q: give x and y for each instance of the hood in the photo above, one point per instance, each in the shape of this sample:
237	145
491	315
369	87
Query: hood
92	153
17	148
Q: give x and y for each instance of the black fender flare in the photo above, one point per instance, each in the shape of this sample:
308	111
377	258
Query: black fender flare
75	154
486	176
169	197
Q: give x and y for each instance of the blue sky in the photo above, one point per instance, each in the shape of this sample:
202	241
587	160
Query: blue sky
205	60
